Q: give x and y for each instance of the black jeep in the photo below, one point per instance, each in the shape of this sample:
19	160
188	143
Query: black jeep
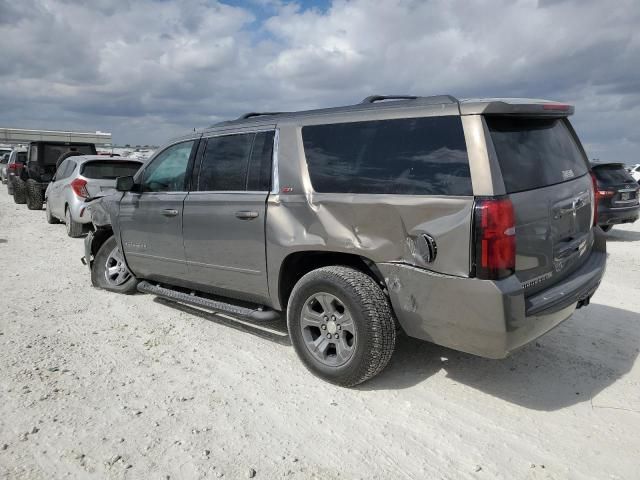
41	166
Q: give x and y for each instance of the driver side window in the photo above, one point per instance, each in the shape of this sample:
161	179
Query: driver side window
168	170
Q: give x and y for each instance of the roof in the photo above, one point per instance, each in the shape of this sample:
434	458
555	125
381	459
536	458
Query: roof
471	106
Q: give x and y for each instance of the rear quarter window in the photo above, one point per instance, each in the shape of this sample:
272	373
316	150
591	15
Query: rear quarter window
411	156
535	152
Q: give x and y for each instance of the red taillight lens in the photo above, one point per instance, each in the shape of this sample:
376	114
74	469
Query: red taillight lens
596	198
495	238
12	166
79	187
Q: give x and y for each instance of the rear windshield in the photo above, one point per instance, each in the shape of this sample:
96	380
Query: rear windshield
535	152
612	174
22	157
53	152
411	156
109	169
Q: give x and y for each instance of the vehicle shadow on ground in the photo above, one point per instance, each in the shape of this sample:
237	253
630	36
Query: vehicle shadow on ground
622	236
569	365
275	331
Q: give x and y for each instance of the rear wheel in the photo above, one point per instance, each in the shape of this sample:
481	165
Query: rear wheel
19	191
50	218
341	325
35	197
74	229
110	271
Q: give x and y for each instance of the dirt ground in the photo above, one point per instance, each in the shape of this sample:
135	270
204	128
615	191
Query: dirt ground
99	385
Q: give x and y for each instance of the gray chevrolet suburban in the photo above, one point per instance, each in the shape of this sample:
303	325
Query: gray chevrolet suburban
467	223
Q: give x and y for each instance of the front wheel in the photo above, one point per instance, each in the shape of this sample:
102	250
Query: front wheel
110	271
341	325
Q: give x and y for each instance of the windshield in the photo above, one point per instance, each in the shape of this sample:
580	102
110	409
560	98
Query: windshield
109	169
535	152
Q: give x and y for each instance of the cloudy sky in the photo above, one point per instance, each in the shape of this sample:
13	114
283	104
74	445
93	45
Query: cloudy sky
147	70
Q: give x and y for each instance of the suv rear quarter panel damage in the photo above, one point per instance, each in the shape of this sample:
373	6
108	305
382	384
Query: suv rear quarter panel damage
381	228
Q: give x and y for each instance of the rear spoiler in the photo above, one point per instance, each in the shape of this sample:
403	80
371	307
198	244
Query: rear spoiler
513	107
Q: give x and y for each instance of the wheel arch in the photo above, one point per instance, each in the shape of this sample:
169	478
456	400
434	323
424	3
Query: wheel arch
297	264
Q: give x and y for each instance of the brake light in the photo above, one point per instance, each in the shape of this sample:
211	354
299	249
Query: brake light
606	193
79	187
12	166
596	198
556	106
495	238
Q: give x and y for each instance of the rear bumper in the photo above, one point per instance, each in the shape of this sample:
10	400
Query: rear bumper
486	318
616	216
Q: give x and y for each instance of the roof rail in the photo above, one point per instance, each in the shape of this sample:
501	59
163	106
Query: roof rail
379	98
258	114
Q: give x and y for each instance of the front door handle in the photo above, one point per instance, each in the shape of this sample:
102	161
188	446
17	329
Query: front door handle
169	212
246	215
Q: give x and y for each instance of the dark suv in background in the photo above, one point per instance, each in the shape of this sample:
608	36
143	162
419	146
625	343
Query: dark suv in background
470	223
41	166
15	186
617	195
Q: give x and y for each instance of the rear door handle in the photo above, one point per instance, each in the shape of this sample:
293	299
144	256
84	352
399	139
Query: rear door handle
246	215
169	212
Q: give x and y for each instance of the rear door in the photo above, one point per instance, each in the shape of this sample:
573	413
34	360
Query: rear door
546	175
151	220
224	214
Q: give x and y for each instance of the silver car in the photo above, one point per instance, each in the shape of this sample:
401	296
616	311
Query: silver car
81	177
4	160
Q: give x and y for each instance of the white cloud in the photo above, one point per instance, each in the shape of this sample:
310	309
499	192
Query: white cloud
147	69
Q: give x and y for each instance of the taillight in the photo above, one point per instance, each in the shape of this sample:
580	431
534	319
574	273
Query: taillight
79	187
606	193
596	198
12	166
495	238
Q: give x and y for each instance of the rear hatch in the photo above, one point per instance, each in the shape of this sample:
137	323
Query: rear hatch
616	187
546	176
101	175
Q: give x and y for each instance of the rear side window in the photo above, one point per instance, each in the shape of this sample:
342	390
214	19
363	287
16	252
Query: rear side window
224	163
412	156
259	175
109	170
612	174
535	152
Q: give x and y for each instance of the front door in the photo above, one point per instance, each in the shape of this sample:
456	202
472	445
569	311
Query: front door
224	215
151	219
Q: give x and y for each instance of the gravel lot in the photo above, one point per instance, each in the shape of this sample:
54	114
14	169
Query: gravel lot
98	385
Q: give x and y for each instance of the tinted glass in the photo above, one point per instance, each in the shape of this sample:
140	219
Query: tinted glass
259	176
413	156
53	152
535	152
224	164
22	157
612	174
65	169
109	169
167	171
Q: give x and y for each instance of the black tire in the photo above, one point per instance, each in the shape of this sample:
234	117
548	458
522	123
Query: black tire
74	229
98	271
35	196
606	228
370	311
19	191
50	218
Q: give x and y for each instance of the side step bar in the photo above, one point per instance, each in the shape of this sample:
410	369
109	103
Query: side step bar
217	306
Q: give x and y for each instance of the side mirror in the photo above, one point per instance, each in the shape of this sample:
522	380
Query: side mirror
124	184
